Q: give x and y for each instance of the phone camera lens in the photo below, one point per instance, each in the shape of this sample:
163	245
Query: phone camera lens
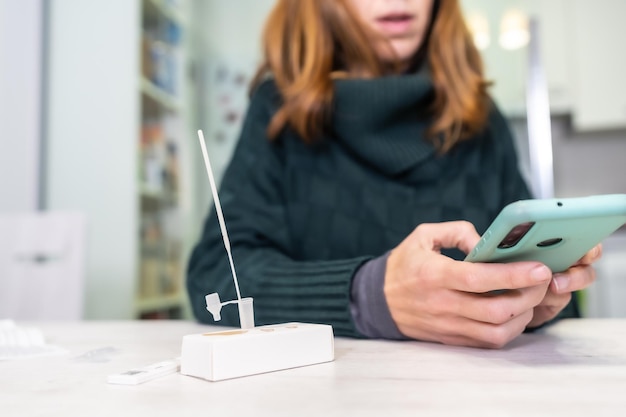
515	235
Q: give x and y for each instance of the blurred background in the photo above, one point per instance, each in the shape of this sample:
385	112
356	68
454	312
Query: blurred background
103	190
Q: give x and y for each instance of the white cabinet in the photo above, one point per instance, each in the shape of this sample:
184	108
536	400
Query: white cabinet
581	44
554	31
508	68
117	146
598	64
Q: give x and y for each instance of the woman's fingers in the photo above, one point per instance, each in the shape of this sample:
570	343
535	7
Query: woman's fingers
549	308
499	308
574	279
458	330
592	256
482	277
457	234
560	291
495	336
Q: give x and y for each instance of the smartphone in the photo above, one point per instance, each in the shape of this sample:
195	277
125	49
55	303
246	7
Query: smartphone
555	232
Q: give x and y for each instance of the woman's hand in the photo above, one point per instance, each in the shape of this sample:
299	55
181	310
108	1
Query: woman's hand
434	298
559	293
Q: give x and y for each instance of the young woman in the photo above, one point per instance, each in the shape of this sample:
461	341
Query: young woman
370	157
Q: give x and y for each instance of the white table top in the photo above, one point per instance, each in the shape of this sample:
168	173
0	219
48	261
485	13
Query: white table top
574	368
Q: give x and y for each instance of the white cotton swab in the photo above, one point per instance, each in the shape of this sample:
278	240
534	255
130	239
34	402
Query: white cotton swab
246	313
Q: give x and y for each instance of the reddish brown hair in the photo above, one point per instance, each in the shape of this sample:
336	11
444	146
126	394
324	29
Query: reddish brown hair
306	41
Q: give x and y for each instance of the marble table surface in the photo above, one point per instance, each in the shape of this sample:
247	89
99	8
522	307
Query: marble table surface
573	368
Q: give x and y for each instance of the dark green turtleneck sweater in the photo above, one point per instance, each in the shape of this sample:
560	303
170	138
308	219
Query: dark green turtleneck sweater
302	219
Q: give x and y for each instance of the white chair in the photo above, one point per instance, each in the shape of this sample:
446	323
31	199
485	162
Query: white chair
42	265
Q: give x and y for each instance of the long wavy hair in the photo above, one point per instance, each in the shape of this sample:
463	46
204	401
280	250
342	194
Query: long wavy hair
306	43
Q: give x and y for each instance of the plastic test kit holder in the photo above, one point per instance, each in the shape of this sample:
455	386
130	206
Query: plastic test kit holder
249	350
241	352
253	350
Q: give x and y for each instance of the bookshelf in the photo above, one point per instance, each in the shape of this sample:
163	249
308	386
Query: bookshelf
117	122
163	134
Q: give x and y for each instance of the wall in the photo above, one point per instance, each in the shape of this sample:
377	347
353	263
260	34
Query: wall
93	122
21	56
227	40
232	28
584	162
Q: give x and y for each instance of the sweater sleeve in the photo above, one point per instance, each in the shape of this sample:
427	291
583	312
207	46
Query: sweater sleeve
284	289
369	306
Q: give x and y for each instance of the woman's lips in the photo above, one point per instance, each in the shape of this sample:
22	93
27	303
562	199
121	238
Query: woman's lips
395	23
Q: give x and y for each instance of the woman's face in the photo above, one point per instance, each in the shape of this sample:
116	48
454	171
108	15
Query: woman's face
402	24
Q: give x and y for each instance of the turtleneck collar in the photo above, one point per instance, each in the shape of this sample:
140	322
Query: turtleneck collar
383	121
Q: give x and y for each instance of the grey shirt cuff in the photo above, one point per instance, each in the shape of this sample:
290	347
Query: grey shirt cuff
368	305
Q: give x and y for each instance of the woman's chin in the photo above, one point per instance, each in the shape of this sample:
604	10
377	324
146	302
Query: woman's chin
401	50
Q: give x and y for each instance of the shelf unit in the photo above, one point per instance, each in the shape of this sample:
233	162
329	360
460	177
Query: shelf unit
118	125
163	65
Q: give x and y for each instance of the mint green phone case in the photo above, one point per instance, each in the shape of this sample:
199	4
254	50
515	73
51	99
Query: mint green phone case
555	232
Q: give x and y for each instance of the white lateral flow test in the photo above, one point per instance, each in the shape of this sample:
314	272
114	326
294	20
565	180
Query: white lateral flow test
250	350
